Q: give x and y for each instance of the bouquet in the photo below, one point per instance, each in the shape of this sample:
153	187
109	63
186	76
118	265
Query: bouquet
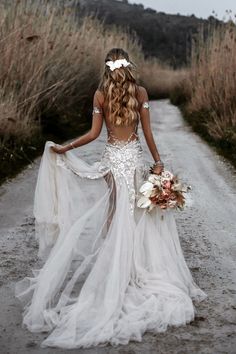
164	191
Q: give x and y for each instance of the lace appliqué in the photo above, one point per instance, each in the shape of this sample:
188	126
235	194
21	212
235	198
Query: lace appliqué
123	158
96	110
146	105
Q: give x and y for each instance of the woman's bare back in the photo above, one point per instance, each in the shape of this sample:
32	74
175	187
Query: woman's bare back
117	133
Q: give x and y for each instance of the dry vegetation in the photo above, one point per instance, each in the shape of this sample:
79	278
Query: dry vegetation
160	79
211	86
50	65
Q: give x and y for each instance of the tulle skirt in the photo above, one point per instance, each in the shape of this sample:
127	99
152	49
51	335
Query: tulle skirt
112	271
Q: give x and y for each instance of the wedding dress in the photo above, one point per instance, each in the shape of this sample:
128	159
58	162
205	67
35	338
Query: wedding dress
112	270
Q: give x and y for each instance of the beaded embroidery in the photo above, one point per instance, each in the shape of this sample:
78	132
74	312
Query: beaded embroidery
122	158
146	105
96	110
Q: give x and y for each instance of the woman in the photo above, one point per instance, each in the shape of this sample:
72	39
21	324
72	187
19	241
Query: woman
112	270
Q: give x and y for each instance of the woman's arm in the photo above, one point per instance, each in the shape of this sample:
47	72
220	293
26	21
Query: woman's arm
146	126
92	134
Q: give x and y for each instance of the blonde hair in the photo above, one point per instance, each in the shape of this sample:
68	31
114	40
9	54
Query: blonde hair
119	88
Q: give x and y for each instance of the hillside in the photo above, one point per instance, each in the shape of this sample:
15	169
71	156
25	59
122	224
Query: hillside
167	37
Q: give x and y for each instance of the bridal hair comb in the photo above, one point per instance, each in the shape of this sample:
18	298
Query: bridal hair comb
117	64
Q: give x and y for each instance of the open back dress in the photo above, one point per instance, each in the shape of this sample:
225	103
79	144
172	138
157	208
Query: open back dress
112	271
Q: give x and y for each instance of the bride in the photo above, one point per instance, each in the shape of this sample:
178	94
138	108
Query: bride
112	271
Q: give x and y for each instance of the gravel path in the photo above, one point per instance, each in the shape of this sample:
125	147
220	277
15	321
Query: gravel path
207	231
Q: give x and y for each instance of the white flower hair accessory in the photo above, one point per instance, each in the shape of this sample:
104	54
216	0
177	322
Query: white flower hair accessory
117	64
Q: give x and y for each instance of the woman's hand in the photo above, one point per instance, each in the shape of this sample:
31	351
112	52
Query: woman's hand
158	169
59	149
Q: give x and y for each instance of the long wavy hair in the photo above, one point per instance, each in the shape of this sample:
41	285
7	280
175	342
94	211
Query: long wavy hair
119	88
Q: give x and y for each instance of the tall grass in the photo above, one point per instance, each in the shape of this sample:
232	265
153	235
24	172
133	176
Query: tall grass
49	64
160	79
211	87
51	60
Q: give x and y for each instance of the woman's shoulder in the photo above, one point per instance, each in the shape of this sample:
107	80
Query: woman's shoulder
142	93
98	97
142	89
99	94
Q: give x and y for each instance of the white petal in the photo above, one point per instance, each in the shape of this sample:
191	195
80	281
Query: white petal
148	193
143	202
167	175
146	187
154	178
158	184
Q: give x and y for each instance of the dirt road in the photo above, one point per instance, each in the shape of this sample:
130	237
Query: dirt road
207	232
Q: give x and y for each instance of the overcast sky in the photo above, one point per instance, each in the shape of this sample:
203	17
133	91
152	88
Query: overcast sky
200	8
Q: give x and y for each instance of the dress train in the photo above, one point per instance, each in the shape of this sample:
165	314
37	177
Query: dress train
112	271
